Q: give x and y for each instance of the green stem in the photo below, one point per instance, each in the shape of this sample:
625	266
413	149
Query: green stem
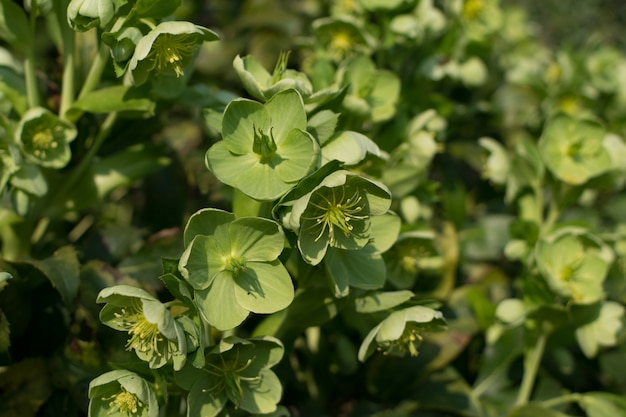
532	360
84	164
32	91
95	71
563	399
69	72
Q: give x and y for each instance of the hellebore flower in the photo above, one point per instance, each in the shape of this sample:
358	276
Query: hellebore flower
401	332
266	149
154	334
83	15
233	266
121	393
573	150
336	212
262	85
574	263
168	50
237	370
44	138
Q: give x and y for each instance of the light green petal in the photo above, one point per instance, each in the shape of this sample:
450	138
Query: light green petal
261	182
367	348
360	268
311	248
241	117
299	154
202	261
264	287
253	75
286	110
227	166
206	222
261	396
203	402
256	239
218	303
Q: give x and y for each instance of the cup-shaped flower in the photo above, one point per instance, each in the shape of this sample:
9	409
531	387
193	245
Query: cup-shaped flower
154	335
168	50
266	149
83	15
121	393
402	332
44	138
262	85
372	93
574	263
572	149
341	36
335	211
234	268
236	371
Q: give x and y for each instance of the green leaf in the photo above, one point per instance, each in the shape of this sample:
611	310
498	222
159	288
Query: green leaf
30	179
62	269
156	9
534	410
14	26
380	301
118	98
602	404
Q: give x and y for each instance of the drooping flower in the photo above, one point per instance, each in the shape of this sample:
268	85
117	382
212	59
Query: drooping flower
154	335
262	85
233	266
44	138
83	15
265	149
334	212
237	370
402	332
121	393
168	50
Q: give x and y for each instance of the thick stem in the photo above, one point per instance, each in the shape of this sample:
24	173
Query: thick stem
30	74
68	89
95	71
532	360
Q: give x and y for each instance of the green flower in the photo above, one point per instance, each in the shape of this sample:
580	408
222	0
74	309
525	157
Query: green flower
341	36
262	85
238	371
44	138
83	15
121	393
572	148
372	93
154	335
414	254
266	149
574	263
122	44
167	51
402	332
233	266
336	212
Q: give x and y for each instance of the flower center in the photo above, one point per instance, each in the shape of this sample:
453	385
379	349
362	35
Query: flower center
337	213
409	341
264	145
144	335
235	264
342	41
124	402
171	51
472	8
44	140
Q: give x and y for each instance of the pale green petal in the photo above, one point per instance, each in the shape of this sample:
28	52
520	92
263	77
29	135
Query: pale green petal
218	303
256	239
264	287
